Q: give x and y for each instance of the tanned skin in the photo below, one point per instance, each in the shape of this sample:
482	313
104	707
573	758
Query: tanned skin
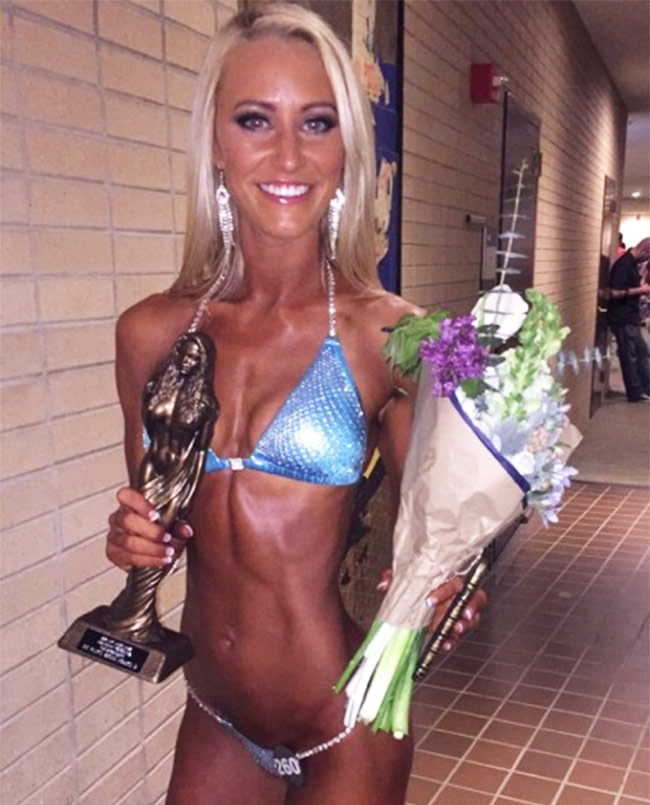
263	608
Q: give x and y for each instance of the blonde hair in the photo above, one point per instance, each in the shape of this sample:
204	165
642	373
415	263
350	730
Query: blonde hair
205	263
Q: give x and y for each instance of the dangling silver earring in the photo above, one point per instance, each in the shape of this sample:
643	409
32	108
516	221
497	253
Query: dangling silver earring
224	211
334	220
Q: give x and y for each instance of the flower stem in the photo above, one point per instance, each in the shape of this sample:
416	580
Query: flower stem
356	659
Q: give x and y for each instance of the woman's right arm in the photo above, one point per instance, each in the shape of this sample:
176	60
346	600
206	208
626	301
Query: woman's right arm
135	539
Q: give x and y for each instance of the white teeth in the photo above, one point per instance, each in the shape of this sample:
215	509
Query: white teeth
285	190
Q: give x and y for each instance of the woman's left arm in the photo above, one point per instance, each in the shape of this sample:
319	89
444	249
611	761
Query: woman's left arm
394	434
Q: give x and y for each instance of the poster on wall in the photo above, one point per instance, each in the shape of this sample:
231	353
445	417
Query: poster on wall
372	29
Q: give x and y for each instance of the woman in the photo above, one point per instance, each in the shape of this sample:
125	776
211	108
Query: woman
280	127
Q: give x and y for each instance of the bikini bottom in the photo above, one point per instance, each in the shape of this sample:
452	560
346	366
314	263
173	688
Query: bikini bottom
279	762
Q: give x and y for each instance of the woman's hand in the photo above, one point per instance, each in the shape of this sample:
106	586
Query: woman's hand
136	538
440	600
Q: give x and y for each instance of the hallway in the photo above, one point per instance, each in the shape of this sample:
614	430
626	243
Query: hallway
547	702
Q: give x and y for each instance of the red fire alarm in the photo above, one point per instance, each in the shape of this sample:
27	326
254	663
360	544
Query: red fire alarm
485	82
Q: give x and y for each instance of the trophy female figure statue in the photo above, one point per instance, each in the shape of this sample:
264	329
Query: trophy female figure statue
179	410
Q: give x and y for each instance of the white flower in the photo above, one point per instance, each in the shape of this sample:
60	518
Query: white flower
503	307
524	463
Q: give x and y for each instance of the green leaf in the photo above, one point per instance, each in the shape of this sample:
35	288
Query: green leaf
402	350
473	386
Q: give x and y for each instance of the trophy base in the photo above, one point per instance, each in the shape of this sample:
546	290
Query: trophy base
90	637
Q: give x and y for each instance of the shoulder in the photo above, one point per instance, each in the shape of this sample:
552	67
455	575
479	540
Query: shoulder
375	315
365	321
378	312
146	331
391	308
153	316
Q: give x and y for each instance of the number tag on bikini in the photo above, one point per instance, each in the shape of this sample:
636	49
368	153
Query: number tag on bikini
287	766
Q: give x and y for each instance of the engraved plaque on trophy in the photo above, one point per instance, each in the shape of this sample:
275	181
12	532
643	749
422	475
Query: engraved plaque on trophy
179	411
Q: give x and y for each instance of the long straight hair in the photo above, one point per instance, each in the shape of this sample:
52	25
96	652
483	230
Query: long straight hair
206	266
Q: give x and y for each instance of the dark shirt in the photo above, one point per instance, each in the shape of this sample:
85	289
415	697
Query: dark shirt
624	274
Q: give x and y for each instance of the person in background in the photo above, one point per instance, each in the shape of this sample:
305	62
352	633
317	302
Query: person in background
620	246
624	319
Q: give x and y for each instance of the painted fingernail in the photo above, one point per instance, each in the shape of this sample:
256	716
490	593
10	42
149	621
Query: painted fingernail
188	531
167	537
446	646
167	560
383	585
459	627
431	601
468	614
154	516
169	552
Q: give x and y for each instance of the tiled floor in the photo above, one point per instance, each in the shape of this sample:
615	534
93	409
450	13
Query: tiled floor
547	701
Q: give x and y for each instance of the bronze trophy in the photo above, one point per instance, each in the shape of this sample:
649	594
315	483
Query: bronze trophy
179	411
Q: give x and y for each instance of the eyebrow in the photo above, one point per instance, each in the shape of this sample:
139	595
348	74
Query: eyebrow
272	106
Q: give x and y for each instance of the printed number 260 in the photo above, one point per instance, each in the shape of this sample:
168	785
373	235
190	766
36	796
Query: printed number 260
287	765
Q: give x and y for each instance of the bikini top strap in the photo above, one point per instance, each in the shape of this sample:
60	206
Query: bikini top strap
200	310
205	301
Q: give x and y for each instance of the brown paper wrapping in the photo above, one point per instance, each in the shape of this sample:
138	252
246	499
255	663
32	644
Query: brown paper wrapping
455	498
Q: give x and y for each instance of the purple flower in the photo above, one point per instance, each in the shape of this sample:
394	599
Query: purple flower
454	356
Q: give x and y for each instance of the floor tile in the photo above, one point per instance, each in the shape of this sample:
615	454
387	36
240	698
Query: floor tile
490	753
478	777
596	775
607	753
452	795
543	764
558	743
504	732
573	795
476	705
443	743
432	766
531	789
616	731
438	697
461	723
424	714
637	785
635	713
420	792
642	761
529	694
521	713
571	723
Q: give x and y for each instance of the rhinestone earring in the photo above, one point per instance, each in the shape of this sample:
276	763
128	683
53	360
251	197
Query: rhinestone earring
224	211
333	221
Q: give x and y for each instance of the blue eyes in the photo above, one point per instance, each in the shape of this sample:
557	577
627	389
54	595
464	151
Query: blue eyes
320	124
254	121
250	121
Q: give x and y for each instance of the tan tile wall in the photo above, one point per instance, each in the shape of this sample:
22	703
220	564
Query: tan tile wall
452	153
95	99
95	106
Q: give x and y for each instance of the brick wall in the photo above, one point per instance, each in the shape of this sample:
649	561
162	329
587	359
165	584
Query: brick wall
95	99
95	106
452	153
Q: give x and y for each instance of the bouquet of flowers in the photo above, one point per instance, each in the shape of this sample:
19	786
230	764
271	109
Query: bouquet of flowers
485	443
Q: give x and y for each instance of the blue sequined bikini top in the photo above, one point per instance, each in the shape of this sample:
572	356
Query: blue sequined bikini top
319	433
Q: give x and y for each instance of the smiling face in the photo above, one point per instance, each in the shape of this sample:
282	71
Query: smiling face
278	138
